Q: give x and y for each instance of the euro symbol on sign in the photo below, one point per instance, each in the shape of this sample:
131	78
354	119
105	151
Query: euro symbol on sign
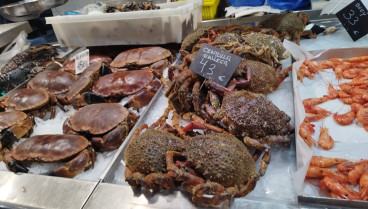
221	78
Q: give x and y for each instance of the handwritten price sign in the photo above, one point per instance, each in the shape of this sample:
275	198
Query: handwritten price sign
215	64
354	18
81	61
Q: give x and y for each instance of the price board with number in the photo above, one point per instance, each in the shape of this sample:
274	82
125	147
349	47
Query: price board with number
354	18
81	61
215	64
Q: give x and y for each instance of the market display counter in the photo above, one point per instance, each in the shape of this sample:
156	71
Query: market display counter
36	191
274	190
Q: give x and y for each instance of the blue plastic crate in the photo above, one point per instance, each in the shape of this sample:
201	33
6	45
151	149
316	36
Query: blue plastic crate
290	4
241	3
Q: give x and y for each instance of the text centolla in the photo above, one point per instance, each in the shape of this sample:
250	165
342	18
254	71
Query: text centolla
215	64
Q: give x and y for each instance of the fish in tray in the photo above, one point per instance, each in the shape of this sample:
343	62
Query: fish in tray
24	65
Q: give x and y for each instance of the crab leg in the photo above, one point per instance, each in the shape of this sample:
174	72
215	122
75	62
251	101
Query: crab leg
81	162
251	184
14	165
144	96
197	119
179	174
262	147
216	201
16	132
112	140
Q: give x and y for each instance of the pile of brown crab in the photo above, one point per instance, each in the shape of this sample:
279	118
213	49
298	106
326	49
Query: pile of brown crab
99	124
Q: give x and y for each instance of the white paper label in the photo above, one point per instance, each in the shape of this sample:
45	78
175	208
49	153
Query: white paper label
81	61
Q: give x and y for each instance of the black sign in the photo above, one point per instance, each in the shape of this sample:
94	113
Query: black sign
354	18
215	64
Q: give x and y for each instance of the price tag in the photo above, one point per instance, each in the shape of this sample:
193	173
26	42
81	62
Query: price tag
215	64
81	61
354	18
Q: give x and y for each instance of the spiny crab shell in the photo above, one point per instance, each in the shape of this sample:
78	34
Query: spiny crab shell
264	78
259	41
146	153
220	158
249	114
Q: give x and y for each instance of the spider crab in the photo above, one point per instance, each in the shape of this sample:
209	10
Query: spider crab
215	164
53	148
289	25
247	114
148	147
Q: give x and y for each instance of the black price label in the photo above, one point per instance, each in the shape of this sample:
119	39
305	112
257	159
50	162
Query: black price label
215	64
354	18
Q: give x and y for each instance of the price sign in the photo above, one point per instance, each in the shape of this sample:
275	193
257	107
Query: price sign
81	61
354	18
215	64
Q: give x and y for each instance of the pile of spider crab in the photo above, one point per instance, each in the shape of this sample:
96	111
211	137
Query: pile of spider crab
213	167
99	123
258	74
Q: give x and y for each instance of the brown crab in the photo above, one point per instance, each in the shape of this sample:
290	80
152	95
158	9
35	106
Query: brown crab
105	124
74	149
32	101
70	65
247	114
289	25
139	57
55	82
77	95
13	126
218	165
139	83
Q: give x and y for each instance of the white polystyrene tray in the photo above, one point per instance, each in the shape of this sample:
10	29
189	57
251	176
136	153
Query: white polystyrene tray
166	9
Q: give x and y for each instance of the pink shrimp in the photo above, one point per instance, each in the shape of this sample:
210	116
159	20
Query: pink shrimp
344	119
325	140
305	131
324	162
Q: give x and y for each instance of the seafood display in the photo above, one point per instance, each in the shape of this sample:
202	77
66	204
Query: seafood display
99	124
211	164
351	91
131	6
24	65
215	106
330	97
339	178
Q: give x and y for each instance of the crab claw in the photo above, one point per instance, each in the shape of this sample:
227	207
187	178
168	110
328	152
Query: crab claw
92	98
14	165
104	70
8	138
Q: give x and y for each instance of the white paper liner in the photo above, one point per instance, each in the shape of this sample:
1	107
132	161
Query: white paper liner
351	141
